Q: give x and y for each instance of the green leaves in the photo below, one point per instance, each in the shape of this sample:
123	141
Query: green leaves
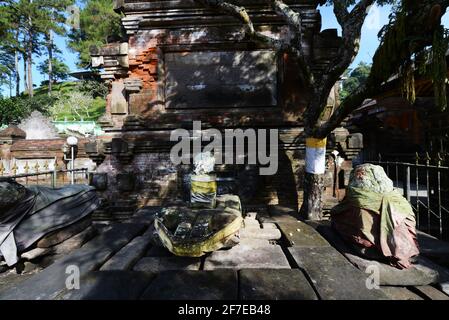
356	78
59	69
17	108
25	27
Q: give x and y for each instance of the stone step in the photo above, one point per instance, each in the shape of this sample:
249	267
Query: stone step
246	257
443	273
251	216
274	284
50	283
259	233
264	217
299	234
75	242
64	234
158	251
255	243
418	275
400	293
333	277
251	223
193	285
127	257
110	285
145	215
433	248
159	264
431	293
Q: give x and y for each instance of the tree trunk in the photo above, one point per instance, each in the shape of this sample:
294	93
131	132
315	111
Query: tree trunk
30	56
10	85
312	206
315	161
16	66
50	62
30	69
25	80
16	72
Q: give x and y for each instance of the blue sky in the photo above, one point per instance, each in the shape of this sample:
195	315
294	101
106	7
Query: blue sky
377	18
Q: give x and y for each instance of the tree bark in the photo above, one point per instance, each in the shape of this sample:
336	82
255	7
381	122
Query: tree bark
25	80
321	84
312	206
50	62
10	85
16	65
16	72
30	69
315	168
30	55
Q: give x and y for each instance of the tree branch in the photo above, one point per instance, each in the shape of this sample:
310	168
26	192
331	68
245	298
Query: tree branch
241	14
373	85
351	24
341	11
351	32
292	17
293	20
238	12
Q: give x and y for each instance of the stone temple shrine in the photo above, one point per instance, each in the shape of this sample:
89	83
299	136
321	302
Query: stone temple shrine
182	62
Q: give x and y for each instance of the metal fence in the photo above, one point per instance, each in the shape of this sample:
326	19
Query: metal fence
52	179
425	184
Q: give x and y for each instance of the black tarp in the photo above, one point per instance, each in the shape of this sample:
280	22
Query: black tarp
41	211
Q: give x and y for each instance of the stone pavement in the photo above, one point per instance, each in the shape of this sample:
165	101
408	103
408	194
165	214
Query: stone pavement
278	258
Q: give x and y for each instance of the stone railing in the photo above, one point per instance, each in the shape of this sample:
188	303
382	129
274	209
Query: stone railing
49	173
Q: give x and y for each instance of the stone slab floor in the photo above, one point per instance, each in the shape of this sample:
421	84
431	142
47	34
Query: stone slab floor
278	258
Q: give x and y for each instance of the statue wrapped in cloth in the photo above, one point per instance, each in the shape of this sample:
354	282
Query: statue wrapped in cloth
29	214
376	218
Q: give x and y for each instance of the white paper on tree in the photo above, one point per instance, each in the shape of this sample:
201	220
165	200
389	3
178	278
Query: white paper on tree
315	160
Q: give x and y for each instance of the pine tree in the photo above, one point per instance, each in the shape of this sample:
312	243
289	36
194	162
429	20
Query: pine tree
60	71
28	27
99	25
51	20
